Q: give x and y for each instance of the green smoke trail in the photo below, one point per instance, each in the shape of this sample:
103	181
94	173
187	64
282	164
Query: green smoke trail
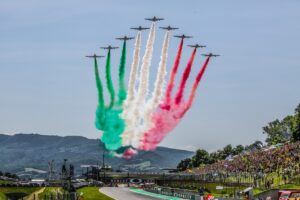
109	82
114	127
99	86
122	89
100	112
114	124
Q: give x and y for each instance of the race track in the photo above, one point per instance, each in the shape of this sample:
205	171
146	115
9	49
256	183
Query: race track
122	193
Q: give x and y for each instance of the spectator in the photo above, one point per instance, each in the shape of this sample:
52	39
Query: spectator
256	165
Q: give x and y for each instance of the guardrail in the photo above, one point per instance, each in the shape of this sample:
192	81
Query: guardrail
181	193
185	194
173	177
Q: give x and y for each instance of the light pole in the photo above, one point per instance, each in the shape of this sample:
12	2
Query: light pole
103	166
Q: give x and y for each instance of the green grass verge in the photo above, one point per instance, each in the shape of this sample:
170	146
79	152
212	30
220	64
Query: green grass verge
5	190
5	181
92	193
257	191
51	190
289	186
2	196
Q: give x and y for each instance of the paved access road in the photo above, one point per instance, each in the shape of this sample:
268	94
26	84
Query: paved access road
122	193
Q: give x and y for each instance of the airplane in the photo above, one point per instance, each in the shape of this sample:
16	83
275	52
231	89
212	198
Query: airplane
139	28
182	36
125	38
197	46
210	55
94	56
109	47
169	28
154	19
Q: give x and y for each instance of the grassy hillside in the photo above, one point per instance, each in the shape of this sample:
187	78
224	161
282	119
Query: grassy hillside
5	190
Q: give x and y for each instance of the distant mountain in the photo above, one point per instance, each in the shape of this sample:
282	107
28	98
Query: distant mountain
21	151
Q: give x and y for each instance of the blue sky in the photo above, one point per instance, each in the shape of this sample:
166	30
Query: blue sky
47	84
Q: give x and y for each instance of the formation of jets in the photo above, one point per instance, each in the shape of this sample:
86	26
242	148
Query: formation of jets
154	19
140	28
109	47
94	56
197	46
210	55
125	38
183	36
169	28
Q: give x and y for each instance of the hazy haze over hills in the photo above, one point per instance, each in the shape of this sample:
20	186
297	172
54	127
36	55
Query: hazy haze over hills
33	150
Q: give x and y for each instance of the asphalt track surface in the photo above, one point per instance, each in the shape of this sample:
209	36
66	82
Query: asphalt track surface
122	193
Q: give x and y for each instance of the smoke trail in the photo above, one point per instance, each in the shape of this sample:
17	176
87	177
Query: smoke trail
170	86
100	112
166	120
129	153
184	78
196	84
99	85
133	71
127	114
161	74
109	82
122	88
157	93
139	102
114	127
144	73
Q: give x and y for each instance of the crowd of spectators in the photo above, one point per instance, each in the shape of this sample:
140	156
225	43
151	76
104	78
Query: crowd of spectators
282	160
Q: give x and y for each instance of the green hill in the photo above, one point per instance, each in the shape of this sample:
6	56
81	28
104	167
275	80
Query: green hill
21	151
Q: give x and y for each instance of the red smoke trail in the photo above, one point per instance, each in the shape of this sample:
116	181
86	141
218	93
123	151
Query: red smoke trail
184	78
166	120
170	86
195	85
129	153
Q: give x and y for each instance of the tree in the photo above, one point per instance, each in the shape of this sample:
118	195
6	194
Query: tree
279	131
227	150
238	149
14	176
201	157
184	164
214	157
257	145
296	124
7	174
1	173
285	130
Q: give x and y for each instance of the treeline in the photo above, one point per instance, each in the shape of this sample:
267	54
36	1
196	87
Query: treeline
202	157
277	131
285	130
8	175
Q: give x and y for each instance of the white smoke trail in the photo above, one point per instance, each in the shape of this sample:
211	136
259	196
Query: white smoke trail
127	113
161	75
133	74
157	93
131	129
145	68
